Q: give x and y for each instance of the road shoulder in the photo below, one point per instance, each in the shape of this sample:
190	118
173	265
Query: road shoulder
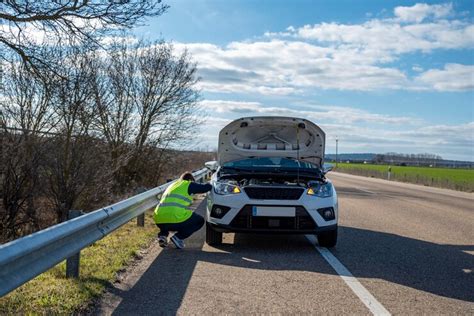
127	279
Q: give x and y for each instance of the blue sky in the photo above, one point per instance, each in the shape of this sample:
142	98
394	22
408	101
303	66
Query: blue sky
382	76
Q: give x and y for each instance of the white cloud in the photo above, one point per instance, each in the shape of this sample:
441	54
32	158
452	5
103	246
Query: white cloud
254	67
421	11
357	130
318	113
358	57
454	77
444	134
389	36
287	67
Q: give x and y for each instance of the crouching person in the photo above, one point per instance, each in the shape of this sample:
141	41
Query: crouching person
173	213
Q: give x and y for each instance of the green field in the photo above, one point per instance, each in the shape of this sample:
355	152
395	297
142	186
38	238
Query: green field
457	179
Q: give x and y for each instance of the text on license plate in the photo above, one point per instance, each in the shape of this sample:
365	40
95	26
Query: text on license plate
278	211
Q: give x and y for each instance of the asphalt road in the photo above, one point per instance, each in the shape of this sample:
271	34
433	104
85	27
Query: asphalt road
405	248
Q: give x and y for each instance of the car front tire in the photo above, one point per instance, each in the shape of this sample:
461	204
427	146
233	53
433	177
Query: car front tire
213	237
328	239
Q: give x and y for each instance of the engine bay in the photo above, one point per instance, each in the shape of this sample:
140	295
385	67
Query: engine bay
272	180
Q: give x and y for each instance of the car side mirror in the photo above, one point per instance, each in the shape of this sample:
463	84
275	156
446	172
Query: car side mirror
211	165
326	169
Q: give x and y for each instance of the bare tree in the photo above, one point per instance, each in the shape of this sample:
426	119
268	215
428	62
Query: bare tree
73	161
25	25
25	119
147	101
114	98
47	148
102	116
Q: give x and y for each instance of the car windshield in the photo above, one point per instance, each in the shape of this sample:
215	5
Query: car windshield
271	162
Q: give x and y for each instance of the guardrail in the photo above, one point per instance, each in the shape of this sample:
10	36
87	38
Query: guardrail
23	259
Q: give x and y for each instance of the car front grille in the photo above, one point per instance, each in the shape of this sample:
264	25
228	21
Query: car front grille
301	221
265	193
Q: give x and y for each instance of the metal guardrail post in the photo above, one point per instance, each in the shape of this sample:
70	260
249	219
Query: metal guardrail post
141	217
73	262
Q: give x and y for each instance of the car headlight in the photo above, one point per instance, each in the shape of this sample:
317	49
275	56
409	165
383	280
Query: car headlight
226	188
321	190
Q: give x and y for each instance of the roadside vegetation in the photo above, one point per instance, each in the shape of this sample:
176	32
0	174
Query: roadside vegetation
456	179
51	293
89	115
104	131
88	112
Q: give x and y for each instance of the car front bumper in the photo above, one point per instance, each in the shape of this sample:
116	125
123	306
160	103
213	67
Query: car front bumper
244	220
238	215
231	229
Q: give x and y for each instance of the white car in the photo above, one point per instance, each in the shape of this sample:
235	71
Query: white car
269	178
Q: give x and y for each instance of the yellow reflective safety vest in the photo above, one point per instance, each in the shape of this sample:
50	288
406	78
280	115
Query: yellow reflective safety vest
174	204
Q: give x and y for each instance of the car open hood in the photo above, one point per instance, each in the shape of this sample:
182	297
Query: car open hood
271	136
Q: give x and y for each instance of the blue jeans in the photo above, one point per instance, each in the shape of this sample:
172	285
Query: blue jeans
183	229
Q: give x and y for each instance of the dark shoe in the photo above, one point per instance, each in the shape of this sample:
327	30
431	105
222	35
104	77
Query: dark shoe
179	243
163	241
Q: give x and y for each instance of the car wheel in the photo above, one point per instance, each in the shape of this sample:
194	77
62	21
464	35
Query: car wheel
328	239
213	237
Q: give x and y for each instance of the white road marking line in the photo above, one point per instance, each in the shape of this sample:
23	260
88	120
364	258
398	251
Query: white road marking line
368	299
251	260
367	191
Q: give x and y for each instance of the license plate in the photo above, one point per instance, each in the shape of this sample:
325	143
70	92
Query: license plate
277	211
